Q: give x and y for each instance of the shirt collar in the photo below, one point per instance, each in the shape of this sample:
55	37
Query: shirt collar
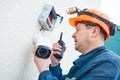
83	59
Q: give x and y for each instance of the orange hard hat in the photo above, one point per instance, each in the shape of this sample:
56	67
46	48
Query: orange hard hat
93	19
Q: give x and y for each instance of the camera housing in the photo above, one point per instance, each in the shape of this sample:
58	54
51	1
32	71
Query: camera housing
43	52
43	48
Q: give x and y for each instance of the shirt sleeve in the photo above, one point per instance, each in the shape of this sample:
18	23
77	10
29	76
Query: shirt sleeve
57	72
46	75
54	73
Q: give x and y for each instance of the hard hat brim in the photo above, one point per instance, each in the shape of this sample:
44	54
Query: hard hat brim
73	22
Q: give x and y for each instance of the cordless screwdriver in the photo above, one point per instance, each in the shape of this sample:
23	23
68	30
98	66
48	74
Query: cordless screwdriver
61	42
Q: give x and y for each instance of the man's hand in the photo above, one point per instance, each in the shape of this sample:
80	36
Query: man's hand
42	64
56	49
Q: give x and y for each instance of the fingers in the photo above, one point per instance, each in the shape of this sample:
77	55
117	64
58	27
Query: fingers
56	49
54	61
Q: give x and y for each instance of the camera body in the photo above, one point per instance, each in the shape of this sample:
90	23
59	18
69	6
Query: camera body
42	44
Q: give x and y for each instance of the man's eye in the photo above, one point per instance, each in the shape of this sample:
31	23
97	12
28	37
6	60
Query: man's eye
77	29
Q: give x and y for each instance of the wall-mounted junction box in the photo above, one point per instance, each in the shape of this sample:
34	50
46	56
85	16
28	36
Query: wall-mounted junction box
48	17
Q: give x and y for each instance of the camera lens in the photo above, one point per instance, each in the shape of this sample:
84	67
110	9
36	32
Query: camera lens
43	52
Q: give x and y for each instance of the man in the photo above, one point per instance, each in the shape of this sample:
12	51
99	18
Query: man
96	62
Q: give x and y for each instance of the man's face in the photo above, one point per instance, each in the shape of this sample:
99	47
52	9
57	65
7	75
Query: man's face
81	37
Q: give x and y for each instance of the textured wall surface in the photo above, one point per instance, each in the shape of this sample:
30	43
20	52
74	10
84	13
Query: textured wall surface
18	22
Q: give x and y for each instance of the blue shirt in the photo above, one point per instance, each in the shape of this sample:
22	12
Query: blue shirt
98	64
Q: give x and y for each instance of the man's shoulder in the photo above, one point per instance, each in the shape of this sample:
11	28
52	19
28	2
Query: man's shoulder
108	57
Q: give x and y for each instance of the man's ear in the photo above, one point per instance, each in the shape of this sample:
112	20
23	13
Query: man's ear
95	31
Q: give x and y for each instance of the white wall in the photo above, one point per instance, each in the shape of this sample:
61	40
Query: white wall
18	22
110	7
